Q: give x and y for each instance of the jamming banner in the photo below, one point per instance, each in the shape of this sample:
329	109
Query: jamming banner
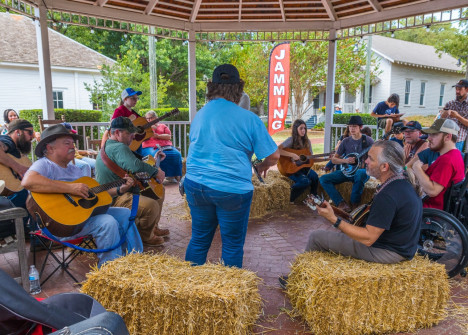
278	88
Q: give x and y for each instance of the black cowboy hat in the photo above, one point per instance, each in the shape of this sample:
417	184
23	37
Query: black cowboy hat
355	120
50	134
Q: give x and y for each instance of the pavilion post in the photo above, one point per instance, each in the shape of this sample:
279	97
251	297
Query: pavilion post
43	57
152	70
192	69
330	90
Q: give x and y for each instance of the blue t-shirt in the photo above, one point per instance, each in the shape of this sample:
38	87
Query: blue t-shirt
427	156
223	137
382	109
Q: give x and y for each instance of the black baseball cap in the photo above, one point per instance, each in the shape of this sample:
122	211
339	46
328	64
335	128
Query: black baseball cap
122	122
413	125
19	124
461	83
226	74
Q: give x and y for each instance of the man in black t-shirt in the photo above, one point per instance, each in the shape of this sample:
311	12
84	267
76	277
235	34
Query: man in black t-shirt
392	229
12	147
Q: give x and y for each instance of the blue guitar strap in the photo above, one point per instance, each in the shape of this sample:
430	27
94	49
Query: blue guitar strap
133	213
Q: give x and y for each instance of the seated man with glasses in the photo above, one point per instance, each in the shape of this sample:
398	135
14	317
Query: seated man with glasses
413	142
14	148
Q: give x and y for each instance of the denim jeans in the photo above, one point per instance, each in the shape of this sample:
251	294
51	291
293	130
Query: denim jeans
171	165
107	230
302	180
328	182
210	208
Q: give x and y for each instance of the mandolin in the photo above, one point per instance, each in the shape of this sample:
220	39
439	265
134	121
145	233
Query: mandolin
144	128
11	178
64	214
357	217
287	166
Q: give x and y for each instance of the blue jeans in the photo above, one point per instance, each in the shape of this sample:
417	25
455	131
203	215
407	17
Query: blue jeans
302	180
328	182
171	165
209	208
107	230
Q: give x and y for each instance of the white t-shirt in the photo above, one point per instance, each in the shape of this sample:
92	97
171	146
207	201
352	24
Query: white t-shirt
51	170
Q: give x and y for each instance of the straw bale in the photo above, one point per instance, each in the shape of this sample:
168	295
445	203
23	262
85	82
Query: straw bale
342	295
160	294
268	197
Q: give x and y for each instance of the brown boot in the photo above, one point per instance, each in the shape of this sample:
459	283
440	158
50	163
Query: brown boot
344	207
153	242
161	232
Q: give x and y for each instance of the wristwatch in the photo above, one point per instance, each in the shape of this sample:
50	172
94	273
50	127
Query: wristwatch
118	191
337	223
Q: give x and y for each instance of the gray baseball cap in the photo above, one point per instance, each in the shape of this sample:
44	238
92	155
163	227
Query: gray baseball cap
442	126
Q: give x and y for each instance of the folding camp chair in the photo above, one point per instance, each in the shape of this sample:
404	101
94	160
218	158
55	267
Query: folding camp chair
63	261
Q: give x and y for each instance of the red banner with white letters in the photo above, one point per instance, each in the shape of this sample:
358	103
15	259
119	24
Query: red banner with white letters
278	88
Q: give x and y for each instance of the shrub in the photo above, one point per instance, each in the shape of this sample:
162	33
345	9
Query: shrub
344	118
71	115
319	126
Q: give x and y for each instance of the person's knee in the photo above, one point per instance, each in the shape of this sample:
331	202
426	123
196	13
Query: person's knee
389	122
316	239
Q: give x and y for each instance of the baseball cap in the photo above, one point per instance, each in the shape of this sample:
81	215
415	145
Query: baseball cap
122	122
226	74
461	83
69	127
128	92
19	124
442	126
412	125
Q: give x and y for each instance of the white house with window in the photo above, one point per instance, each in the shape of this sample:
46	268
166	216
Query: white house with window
421	77
73	65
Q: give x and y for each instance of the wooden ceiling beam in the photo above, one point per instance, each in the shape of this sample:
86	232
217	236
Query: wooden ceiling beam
196	8
100	3
376	5
282	10
149	8
329	8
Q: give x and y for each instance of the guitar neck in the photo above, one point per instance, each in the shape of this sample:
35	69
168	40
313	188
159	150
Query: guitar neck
151	123
108	186
364	152
319	155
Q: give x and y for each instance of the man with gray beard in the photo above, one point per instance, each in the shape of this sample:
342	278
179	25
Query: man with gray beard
13	147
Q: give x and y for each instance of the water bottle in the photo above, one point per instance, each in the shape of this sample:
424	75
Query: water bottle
34	284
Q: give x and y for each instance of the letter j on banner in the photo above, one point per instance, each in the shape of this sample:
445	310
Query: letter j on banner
278	88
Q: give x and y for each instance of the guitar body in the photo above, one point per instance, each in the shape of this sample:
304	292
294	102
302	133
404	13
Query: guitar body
144	128
287	166
142	135
151	187
64	214
11	178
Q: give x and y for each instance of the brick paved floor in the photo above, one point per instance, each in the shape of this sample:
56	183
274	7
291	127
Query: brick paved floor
270	246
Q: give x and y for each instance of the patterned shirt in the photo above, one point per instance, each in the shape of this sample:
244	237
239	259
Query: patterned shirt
462	108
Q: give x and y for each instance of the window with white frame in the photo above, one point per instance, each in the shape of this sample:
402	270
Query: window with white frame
422	93
441	95
407	91
58	99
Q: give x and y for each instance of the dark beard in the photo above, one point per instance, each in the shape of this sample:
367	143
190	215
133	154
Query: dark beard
23	145
437	148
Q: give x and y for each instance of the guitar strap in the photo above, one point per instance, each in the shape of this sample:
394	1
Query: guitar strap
111	164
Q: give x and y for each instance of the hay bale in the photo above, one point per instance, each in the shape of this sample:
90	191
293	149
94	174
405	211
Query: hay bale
268	197
342	295
160	294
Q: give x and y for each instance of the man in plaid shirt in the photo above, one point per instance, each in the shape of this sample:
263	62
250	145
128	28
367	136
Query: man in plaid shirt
457	110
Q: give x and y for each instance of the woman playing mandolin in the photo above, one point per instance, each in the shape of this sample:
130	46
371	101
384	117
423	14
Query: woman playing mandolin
300	144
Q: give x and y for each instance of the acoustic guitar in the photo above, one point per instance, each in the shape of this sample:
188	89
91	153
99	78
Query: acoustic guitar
144	128
64	214
357	217
287	166
150	187
11	178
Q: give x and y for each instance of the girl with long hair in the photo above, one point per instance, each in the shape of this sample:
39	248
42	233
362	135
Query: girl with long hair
306	177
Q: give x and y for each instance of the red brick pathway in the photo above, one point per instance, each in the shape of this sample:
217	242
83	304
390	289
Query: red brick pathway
270	246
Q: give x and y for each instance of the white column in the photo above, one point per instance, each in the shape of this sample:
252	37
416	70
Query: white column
330	89
192	69
152	69
43	56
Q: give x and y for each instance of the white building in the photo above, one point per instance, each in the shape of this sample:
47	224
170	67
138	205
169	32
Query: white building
417	73
73	65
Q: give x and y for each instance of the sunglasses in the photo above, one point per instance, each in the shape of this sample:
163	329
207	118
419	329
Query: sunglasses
29	131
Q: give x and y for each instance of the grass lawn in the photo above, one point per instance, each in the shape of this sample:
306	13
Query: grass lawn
425	121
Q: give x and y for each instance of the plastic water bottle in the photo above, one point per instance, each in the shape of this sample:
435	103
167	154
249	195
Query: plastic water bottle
34	283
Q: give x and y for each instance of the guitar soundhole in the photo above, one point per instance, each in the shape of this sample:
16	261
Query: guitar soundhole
88	202
302	160
139	137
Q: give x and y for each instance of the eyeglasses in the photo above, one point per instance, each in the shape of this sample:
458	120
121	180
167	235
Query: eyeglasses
30	132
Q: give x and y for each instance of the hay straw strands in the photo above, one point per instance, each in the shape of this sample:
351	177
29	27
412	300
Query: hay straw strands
160	294
342	295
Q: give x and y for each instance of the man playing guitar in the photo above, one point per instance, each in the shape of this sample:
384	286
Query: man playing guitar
355	143
117	150
47	175
392	228
13	148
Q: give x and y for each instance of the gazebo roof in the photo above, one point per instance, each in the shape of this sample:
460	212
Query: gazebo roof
264	17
